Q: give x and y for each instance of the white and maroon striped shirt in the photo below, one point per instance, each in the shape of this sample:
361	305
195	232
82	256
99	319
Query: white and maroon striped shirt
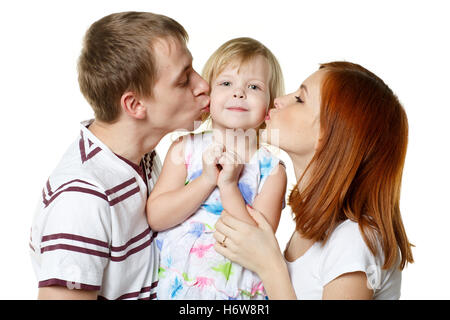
90	230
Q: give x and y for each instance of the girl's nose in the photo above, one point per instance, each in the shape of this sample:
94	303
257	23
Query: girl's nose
239	94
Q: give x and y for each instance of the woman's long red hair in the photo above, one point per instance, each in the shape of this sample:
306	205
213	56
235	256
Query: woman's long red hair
357	169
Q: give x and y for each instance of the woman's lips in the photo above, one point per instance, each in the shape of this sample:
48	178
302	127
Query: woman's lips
268	115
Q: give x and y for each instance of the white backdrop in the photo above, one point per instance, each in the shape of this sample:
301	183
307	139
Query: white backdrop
403	42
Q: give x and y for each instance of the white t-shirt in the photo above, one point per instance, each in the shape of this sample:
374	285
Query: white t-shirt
90	229
344	252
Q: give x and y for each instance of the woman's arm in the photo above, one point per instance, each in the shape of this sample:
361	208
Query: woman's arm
256	248
348	286
171	201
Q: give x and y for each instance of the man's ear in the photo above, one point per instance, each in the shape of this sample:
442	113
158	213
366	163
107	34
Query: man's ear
133	106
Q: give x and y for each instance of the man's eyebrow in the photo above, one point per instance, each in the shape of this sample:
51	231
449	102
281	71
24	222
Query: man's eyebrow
186	67
304	88
182	72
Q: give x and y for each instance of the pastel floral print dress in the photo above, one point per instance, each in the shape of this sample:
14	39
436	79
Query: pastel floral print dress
190	268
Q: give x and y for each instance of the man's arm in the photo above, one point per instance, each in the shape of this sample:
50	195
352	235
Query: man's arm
61	293
71	245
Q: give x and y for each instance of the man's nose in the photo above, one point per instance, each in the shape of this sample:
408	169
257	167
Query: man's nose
202	87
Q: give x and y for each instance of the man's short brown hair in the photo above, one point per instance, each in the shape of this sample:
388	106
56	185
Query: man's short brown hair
117	56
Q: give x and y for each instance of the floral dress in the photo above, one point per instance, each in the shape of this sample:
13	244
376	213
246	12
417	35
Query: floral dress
190	268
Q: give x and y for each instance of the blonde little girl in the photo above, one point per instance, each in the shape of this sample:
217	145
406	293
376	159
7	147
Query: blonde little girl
208	172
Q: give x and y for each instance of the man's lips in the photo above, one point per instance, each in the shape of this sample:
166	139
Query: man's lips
206	107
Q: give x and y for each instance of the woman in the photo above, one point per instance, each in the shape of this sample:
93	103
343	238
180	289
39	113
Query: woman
346	134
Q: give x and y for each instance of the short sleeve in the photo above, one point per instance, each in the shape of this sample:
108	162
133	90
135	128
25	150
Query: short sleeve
71	239
347	252
267	166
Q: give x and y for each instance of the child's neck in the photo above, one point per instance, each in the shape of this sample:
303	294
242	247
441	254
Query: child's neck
243	142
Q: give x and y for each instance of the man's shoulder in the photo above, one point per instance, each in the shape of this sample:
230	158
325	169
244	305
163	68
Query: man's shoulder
88	159
83	171
72	169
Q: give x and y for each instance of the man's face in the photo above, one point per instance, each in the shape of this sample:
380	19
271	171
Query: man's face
180	94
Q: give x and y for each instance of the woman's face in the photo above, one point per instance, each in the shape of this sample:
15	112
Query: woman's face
294	124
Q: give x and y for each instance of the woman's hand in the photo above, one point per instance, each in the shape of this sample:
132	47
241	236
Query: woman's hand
232	167
253	247
257	249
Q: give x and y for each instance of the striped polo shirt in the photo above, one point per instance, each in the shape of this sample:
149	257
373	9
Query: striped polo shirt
90	229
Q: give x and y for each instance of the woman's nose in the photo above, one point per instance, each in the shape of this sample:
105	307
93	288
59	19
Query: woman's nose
277	103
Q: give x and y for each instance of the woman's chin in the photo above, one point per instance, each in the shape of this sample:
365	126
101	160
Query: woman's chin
271	135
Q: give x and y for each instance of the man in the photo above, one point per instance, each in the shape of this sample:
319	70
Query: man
90	238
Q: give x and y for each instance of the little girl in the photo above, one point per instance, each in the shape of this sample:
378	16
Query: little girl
208	172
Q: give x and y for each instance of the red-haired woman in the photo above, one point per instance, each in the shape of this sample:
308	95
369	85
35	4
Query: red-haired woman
346	133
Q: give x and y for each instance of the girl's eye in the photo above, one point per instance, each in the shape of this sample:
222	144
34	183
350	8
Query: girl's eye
253	87
297	98
226	83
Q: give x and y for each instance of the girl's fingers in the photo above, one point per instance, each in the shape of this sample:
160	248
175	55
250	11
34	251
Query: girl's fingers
218	150
229	157
221	160
213	153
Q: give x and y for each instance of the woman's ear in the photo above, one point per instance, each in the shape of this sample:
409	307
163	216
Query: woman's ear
133	106
319	140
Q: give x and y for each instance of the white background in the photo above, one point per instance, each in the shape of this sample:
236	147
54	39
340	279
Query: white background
403	42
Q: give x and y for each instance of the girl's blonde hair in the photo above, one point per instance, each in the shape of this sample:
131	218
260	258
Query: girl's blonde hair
239	51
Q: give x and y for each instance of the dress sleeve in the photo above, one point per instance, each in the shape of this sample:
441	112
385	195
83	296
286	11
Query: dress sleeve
71	241
267	165
347	252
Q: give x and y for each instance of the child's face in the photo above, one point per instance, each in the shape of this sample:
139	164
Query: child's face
240	100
